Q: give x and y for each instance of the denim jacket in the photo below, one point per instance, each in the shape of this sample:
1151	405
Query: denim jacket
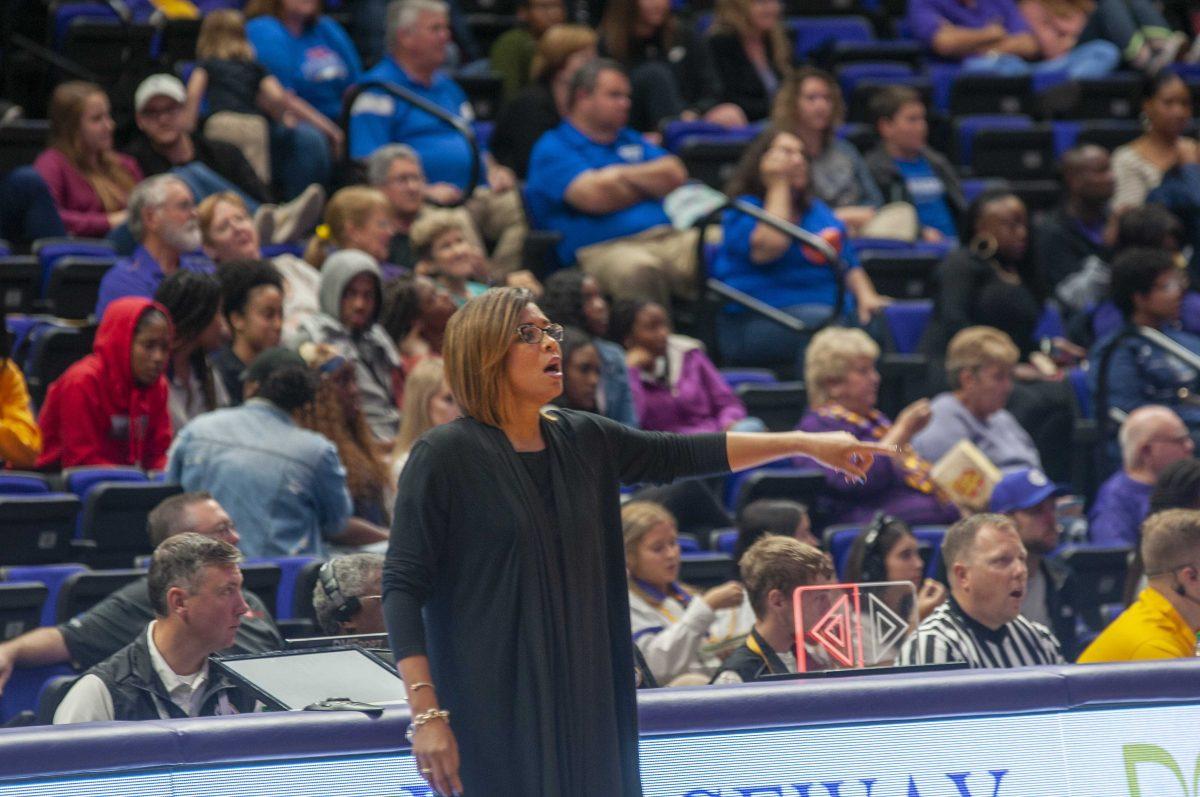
1142	373
283	486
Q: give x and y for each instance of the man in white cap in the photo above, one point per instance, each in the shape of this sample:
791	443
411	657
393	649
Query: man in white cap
164	144
1027	497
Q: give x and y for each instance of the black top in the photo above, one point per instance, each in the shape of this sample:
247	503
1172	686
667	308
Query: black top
970	291
526	616
690	63
1060	246
117	620
222	157
233	85
520	124
401	252
230	369
740	81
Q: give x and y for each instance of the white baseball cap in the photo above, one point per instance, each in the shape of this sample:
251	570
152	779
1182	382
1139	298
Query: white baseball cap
162	85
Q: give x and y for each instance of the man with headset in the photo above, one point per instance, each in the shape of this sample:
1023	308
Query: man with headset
348	595
1164	620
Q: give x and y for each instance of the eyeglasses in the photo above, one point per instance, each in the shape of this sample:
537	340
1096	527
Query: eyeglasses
532	333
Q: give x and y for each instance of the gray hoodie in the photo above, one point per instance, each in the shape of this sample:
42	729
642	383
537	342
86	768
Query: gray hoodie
373	353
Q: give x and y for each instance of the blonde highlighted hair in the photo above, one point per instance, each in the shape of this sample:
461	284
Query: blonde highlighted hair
420	387
976	347
353	205
785	112
733	16
223	37
106	174
829	356
556	47
475	349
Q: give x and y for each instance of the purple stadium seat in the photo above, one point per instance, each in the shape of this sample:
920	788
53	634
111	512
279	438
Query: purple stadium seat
906	323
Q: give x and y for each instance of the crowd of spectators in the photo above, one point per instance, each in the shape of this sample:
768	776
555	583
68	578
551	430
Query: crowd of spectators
270	336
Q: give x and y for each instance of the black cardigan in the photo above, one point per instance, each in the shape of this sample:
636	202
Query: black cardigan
740	81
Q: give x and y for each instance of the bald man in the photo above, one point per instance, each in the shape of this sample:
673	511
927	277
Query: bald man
1069	243
1151	438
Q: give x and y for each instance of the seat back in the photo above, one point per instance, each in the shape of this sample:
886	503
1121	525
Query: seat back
52	576
705	569
20	281
37	529
1014	154
778	404
290	568
21	607
816	33
52	350
1112	97
74	285
793	484
83	590
80	480
114	518
967	127
1098	573
906	322
981	93
51	694
262	578
901	274
711	161
20	483
306	582
21	140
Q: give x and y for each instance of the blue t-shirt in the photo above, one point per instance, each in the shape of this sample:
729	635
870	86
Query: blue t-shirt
928	195
377	119
140	275
319	64
791	279
564	153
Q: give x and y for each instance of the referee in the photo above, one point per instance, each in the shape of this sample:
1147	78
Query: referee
981	622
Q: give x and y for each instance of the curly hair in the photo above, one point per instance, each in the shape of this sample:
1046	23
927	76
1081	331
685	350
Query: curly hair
366	473
193	299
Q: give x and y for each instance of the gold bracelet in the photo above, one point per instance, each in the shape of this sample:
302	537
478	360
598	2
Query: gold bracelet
424	718
419	685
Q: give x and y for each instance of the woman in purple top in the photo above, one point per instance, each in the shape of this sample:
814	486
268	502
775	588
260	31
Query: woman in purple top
843	386
676	388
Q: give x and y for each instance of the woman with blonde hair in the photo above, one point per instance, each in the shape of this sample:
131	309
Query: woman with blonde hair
751	52
336	413
230	78
428	402
541	105
843	388
506	555
810	106
89	180
356	217
679	630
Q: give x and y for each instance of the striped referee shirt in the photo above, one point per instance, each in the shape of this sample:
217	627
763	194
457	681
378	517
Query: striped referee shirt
949	635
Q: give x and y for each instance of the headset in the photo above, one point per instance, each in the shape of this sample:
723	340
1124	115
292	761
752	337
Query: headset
343	608
874	566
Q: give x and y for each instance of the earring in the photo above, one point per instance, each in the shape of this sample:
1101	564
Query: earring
984	247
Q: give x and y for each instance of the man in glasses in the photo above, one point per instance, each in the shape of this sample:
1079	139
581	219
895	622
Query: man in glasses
1163	622
110	625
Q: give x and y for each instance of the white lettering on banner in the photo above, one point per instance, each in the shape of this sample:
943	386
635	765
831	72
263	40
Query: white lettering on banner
1152	751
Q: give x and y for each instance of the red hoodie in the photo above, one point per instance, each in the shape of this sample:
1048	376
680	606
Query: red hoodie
95	414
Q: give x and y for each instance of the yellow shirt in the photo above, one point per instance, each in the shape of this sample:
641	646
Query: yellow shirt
1150	628
20	437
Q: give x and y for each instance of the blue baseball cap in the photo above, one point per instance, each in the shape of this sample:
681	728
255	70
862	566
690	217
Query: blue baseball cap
1022	489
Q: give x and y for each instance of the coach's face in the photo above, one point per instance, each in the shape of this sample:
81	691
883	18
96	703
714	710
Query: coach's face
989	584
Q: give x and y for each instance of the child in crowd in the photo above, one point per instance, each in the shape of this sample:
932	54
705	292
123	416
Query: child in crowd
908	170
676	387
447	253
581	371
110	408
680	631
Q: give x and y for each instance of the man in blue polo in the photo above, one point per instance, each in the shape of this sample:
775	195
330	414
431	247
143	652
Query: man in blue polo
601	185
418	34
162	219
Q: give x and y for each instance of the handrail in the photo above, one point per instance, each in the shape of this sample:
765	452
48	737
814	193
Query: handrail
441	114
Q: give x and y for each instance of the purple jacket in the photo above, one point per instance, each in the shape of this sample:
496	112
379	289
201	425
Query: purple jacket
926	16
885	487
696	399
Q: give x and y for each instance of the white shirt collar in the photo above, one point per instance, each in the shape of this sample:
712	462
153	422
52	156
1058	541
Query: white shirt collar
182	689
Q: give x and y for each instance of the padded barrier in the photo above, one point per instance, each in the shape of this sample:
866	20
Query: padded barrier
1033	717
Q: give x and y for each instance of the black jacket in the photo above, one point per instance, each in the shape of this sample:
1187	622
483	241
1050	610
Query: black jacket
139	694
891	182
740	81
222	157
1060	602
753	660
1060	247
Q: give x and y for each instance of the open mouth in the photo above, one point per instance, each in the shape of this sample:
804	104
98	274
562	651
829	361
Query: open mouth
554	367
1017	594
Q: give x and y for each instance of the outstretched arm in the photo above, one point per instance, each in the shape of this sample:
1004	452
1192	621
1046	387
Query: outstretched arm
838	450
